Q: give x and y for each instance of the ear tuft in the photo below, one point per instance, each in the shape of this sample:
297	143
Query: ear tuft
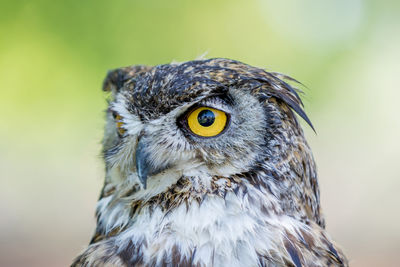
117	78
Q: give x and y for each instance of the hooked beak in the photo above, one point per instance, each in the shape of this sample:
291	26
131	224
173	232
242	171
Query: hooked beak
144	166
142	163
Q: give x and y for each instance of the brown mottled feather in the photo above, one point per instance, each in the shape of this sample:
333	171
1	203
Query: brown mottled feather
285	171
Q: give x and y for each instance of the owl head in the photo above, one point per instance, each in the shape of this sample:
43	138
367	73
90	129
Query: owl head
206	162
202	118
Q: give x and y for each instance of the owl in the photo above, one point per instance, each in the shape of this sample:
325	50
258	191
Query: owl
206	165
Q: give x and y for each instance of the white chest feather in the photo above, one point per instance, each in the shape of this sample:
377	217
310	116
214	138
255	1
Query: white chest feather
229	231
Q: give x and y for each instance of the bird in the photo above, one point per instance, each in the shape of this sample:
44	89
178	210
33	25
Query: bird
206	164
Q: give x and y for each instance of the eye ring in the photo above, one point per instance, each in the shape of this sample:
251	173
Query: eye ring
206	122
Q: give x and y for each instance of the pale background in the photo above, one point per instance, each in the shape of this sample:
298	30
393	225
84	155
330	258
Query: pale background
54	55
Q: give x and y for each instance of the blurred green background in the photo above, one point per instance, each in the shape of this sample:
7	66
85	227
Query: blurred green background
55	54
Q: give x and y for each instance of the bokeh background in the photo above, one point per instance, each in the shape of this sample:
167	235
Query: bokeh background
55	54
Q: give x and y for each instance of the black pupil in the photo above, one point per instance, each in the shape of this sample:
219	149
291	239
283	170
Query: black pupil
206	118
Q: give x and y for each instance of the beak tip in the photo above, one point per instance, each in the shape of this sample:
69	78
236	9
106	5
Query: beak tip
142	178
143	181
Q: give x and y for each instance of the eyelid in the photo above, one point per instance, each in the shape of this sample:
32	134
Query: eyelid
215	103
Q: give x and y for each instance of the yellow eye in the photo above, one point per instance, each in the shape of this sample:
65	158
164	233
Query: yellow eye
120	125
206	121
